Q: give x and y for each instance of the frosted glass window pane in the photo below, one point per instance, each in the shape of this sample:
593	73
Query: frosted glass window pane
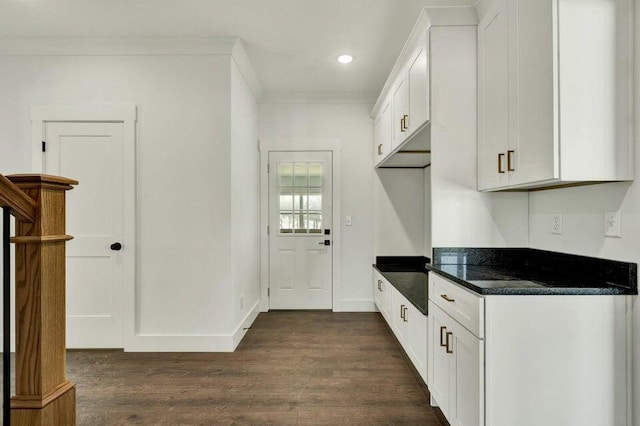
315	199
300	223
300	198
315	220
286	201
315	174
300	174
286	222
285	174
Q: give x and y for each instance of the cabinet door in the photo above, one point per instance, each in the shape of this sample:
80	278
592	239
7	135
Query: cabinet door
417	339
438	360
382	133
400	112
385	297
377	140
534	143
398	317
493	97
467	379
418	76
377	293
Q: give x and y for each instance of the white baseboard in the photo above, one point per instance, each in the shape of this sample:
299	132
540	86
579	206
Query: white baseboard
241	330
203	343
355	305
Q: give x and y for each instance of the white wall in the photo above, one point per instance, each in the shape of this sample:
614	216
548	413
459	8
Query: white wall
399	211
462	216
428	248
184	298
308	124
245	197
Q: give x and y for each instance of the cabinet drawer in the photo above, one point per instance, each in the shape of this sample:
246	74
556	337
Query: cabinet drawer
464	306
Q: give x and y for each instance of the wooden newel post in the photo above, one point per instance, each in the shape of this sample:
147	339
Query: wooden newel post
44	396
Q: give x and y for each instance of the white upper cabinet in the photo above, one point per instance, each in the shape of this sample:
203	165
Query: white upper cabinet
400	111
408	91
493	95
418	86
382	133
554	93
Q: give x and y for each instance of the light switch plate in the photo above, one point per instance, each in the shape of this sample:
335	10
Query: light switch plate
612	224
556	223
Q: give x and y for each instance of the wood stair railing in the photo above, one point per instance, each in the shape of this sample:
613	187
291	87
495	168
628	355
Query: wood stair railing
44	396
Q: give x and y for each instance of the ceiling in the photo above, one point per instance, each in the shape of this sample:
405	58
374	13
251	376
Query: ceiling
292	44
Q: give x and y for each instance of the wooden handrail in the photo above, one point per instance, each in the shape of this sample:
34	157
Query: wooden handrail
22	206
43	395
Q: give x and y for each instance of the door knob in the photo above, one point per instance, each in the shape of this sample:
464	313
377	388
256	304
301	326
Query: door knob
325	243
116	246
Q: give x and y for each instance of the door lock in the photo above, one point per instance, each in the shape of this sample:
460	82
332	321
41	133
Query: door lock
325	243
116	246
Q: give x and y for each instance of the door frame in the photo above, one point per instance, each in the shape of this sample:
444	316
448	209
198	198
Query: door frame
331	145
127	115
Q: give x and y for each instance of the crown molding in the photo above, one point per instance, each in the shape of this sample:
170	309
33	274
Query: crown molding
241	59
116	46
317	98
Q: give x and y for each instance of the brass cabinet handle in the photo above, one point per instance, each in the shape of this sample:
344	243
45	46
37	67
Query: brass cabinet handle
379	149
447	298
500	156
405	315
449	350
406	119
510	161
402	311
443	328
402	129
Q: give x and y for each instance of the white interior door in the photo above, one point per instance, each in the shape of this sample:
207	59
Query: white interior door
92	153
300	233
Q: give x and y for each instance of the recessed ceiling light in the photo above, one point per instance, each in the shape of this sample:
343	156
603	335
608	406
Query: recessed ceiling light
345	59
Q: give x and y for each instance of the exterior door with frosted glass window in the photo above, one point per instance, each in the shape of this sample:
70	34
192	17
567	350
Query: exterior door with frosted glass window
300	232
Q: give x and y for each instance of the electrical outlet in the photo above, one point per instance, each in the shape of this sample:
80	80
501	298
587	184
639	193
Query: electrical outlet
348	221
556	223
612	226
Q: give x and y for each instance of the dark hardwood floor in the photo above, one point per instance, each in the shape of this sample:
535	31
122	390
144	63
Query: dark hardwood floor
292	368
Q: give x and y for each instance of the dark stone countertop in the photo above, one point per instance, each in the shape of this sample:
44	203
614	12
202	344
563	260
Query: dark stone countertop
533	272
408	276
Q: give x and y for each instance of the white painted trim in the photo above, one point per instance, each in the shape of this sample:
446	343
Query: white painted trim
126	114
355	305
116	46
239	56
318	98
180	343
194	343
332	145
245	325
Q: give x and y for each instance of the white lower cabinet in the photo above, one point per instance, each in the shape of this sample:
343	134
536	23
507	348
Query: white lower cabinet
456	368
399	324
556	360
416	339
382	295
408	324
